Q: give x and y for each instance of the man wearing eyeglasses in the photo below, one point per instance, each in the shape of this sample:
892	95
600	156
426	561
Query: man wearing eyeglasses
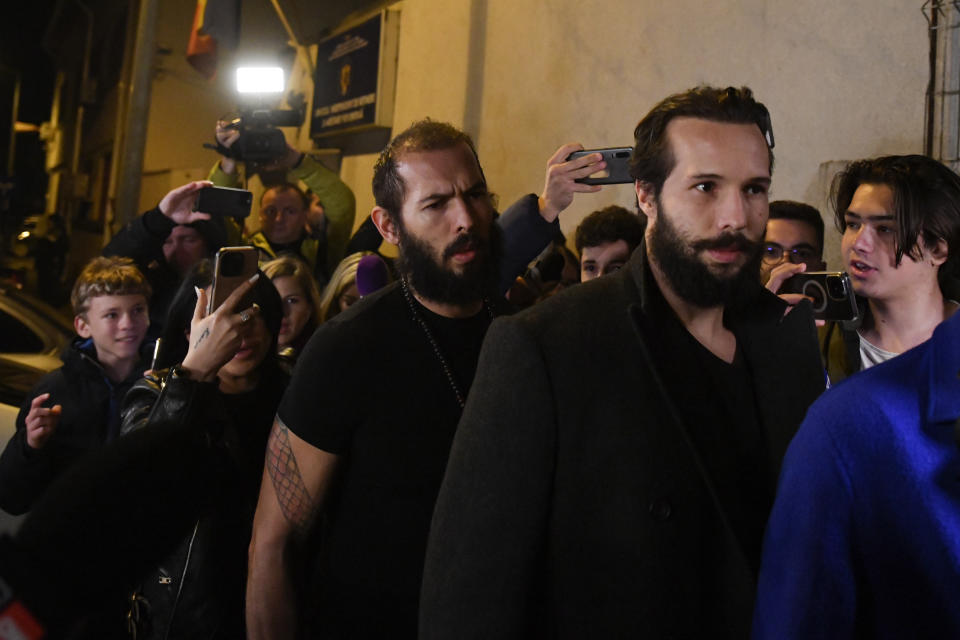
794	237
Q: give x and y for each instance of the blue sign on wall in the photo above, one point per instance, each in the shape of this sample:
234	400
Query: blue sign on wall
345	85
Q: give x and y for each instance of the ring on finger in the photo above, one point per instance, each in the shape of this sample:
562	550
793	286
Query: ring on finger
246	314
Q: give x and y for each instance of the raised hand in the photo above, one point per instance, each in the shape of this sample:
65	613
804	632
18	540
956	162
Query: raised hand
41	422
178	203
215	338
560	186
227	136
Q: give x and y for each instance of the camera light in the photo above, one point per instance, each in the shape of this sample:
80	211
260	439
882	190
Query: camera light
260	79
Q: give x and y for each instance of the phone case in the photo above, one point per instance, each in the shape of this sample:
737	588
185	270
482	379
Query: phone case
831	293
224	201
618	165
233	266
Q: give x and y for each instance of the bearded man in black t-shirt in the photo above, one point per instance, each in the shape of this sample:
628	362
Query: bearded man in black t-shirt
364	430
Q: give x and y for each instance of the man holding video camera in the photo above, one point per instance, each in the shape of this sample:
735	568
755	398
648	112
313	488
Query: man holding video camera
314	226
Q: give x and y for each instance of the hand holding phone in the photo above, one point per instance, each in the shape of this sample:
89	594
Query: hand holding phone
562	181
216	336
233	267
617	161
178	203
830	292
224	201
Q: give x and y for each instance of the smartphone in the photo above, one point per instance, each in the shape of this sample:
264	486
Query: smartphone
224	201
618	165
233	266
831	292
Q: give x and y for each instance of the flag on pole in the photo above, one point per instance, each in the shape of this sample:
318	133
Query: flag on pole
216	28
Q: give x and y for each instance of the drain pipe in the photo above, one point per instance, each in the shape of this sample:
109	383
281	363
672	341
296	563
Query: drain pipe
138	111
123	86
78	124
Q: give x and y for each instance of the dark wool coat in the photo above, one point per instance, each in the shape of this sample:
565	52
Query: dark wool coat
574	504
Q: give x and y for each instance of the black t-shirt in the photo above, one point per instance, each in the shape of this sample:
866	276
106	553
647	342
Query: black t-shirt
716	402
370	389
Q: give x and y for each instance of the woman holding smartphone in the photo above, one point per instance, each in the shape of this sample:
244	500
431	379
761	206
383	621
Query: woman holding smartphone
228	382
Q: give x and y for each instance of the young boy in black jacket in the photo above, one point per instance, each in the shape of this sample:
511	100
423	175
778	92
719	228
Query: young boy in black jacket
76	408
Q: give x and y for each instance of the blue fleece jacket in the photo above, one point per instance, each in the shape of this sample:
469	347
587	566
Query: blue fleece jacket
864	538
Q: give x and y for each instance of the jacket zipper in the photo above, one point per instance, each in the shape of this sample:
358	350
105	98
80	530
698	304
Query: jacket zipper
183	577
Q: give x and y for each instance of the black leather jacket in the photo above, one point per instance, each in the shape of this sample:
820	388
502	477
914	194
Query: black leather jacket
197	591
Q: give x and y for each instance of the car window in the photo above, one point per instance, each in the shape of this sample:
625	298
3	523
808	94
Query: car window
16	337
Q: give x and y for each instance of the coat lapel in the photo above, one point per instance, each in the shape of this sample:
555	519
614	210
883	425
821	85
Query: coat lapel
638	297
781	353
783	356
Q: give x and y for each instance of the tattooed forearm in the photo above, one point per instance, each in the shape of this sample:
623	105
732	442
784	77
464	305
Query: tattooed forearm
203	336
295	502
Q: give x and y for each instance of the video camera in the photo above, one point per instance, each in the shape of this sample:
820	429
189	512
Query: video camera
260	141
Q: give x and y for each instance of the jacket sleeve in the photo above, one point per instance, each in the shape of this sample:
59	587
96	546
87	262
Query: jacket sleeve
142	239
807	584
487	542
339	205
162	397
525	235
222	179
25	473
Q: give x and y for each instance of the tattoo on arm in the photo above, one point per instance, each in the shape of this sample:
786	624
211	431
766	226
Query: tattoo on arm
295	502
203	336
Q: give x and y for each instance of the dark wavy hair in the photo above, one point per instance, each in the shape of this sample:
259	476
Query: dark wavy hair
174	340
926	204
652	159
609	225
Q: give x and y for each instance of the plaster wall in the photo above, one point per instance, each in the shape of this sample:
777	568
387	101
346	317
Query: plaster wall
842	80
184	106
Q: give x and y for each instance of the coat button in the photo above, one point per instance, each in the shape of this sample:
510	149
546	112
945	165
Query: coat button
660	509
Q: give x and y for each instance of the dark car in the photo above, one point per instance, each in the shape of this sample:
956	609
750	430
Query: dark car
32	336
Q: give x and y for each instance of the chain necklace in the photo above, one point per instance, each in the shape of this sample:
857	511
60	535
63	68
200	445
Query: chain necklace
433	342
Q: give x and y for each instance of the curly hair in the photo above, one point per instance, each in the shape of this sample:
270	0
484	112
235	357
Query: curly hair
609	225
113	276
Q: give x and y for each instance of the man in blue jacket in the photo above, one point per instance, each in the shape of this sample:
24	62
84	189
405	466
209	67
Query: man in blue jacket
863	539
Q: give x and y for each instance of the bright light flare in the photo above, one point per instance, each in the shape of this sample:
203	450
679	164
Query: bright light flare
260	79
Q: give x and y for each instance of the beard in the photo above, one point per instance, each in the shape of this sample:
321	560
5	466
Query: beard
430	278
693	279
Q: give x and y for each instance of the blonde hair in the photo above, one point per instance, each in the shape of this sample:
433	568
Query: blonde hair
344	276
113	276
290	267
